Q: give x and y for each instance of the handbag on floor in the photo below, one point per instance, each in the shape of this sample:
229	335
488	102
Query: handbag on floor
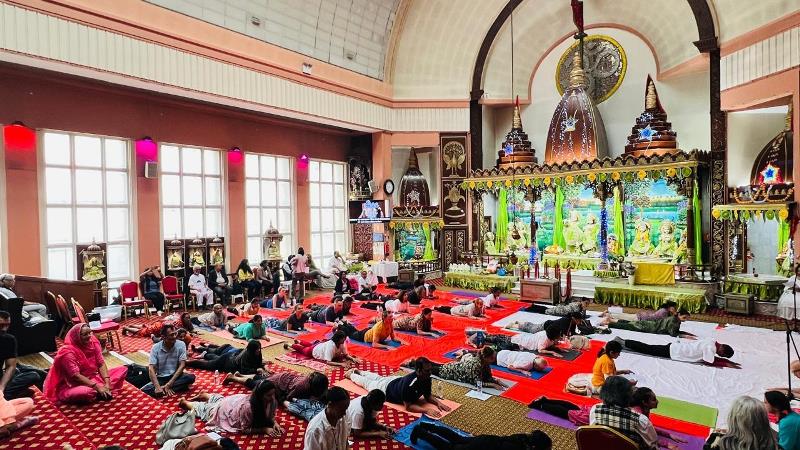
137	375
176	426
198	442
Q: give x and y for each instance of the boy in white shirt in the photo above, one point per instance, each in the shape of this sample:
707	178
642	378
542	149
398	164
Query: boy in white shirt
705	351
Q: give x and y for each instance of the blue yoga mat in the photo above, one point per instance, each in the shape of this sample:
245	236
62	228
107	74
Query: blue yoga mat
424	336
534	375
390	343
403	435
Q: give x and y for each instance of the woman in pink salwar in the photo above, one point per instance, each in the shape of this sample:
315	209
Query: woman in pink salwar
79	374
15	415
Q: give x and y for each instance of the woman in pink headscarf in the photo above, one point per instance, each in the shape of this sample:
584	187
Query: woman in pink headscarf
79	373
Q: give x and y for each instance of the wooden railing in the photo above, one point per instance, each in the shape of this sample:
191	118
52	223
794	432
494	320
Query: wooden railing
421	266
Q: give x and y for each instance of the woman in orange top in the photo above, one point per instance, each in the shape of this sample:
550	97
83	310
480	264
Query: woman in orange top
604	367
376	335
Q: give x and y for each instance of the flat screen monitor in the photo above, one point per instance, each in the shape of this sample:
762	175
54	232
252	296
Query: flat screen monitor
369	211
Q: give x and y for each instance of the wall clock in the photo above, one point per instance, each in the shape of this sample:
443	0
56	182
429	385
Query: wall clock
604	62
388	187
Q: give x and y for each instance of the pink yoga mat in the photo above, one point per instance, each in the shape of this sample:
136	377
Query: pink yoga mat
348	385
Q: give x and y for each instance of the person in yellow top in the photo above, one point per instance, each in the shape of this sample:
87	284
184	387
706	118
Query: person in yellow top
376	335
604	367
247	279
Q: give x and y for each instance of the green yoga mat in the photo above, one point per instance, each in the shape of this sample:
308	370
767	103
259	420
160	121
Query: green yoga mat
686	411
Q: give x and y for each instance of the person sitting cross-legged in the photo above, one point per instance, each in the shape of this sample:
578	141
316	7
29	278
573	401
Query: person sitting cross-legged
16	378
15	415
167	361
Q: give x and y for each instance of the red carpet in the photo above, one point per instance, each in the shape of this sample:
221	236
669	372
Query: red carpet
52	431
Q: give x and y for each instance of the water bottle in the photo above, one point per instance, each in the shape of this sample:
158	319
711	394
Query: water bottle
216	377
480	386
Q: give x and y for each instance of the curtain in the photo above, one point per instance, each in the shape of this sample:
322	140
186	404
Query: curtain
426	228
783	234
698	224
619	224
501	234
558	221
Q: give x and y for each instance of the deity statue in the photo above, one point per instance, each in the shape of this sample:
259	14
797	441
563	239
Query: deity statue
488	244
641	245
175	260
573	235
681	253
273	251
197	259
216	257
666	247
92	268
612	244
590	232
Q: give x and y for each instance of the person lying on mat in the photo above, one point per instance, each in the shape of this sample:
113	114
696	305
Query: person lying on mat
492	300
561	310
670	325
471	368
444	438
393	305
668	308
412	390
252	329
290	385
295	322
473	309
376	334
332	351
246	360
421	323
705	351
525	362
788	421
590	383
328	315
217	318
278	301
252	413
330	430
152	329
79	374
542	342
362	414
248	309
567	324
165	368
794	367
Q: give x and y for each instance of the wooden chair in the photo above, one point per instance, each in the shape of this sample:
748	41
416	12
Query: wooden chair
130	290
62	312
599	437
105	328
170	286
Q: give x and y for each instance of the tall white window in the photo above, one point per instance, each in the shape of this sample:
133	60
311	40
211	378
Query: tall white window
269	199
191	192
87	192
328	199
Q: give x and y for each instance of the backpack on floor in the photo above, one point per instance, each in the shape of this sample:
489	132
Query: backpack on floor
137	375
177	426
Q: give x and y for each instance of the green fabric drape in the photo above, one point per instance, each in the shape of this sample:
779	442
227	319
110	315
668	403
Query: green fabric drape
619	225
501	235
477	282
428	255
783	235
558	221
649	297
698	225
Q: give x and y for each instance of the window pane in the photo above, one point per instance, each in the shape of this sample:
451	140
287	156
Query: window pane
338	173
192	159
213	194
287	246
88	187
327	243
59	226
269	217
116	154
193	222
316	246
313	171
327	195
341	244
338	219
118	261
211	162
251	165
254	222
283	168
268	194
338	195
60	263
56	149
315	226
58	186
171	189
118	224
327	220
213	222
172	223
267	167
254	249
117	188
313	194
251	192
284	193
284	221
170	159
89	224
192	191
87	151
326	172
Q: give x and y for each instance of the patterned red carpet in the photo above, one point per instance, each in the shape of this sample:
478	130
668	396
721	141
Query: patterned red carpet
52	432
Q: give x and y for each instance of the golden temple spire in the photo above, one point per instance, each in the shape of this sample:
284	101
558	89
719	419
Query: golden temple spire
517	122
577	77
788	126
651	99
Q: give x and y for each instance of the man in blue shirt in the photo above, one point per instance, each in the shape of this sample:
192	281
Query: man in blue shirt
788	420
167	361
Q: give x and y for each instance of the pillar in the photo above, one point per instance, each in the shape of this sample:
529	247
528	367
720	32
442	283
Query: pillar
22	200
382	171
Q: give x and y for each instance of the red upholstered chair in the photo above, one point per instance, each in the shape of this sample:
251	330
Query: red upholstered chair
105	328
62	312
599	437
170	286
129	291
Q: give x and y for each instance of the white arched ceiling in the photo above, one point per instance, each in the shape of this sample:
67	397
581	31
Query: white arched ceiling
353	34
737	17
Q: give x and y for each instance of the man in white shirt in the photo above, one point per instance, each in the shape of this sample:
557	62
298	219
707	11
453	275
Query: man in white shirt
367	284
525	362
540	342
330	429
198	287
337	264
705	351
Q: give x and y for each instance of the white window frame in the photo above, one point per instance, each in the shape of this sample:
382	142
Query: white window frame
204	206
73	205
290	238
326	211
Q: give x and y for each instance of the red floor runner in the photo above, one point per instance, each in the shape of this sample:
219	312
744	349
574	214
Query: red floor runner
52	431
